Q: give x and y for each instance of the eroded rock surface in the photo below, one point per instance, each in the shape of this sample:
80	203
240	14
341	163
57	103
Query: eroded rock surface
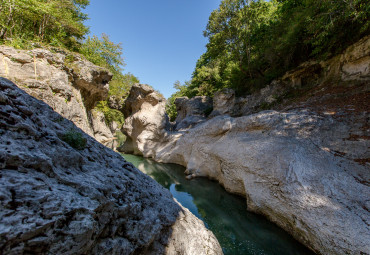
68	83
224	102
55	199
306	168
146	120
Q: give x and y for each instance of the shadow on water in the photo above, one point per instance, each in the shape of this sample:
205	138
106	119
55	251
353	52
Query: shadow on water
238	231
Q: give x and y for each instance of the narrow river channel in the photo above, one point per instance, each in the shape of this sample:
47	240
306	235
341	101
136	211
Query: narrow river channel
226	215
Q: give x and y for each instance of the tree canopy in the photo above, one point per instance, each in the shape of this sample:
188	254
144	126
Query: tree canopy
250	43
55	22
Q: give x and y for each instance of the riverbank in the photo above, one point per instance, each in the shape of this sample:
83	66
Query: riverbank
238	231
303	165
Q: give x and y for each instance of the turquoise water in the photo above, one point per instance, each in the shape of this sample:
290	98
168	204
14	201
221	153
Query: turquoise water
238	231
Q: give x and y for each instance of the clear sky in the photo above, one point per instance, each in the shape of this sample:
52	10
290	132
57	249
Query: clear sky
161	39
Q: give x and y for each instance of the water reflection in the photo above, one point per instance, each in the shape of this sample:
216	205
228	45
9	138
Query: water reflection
238	231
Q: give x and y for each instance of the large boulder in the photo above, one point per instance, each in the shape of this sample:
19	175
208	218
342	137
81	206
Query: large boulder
198	105
146	120
61	192
68	83
101	133
191	112
223	102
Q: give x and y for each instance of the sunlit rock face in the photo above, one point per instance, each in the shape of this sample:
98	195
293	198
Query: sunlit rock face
286	166
146	120
59	199
68	83
305	168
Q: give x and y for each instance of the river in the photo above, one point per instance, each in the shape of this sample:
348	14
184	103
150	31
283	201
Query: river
225	214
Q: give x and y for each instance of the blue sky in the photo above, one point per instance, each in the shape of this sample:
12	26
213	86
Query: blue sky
161	39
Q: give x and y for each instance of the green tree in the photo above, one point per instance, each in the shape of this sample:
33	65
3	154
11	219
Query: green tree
55	22
60	23
232	49
252	42
103	52
182	91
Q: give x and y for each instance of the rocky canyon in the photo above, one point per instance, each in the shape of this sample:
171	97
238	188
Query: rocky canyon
304	163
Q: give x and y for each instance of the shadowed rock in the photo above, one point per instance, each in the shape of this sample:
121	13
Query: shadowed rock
191	112
55	199
67	82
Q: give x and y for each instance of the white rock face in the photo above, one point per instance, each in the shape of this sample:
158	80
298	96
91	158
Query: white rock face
145	120
281	164
285	166
306	171
101	133
55	199
223	102
69	84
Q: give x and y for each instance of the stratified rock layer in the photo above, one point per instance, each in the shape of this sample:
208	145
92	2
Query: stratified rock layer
55	199
67	82
305	168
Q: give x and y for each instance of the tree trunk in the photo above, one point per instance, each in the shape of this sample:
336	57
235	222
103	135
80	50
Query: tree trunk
4	30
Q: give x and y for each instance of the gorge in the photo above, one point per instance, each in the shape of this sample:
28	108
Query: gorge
239	232
62	192
262	148
304	165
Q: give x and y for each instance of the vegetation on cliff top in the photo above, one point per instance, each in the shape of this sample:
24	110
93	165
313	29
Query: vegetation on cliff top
250	43
60	23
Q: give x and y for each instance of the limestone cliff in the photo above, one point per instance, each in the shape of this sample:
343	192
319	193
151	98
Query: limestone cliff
67	82
60	198
304	165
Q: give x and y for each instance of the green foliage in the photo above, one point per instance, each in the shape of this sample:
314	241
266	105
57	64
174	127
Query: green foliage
110	114
182	91
171	108
120	138
252	42
122	87
103	52
53	22
74	139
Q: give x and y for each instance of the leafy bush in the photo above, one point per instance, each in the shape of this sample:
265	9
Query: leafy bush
110	114
171	108
183	90
74	139
121	138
